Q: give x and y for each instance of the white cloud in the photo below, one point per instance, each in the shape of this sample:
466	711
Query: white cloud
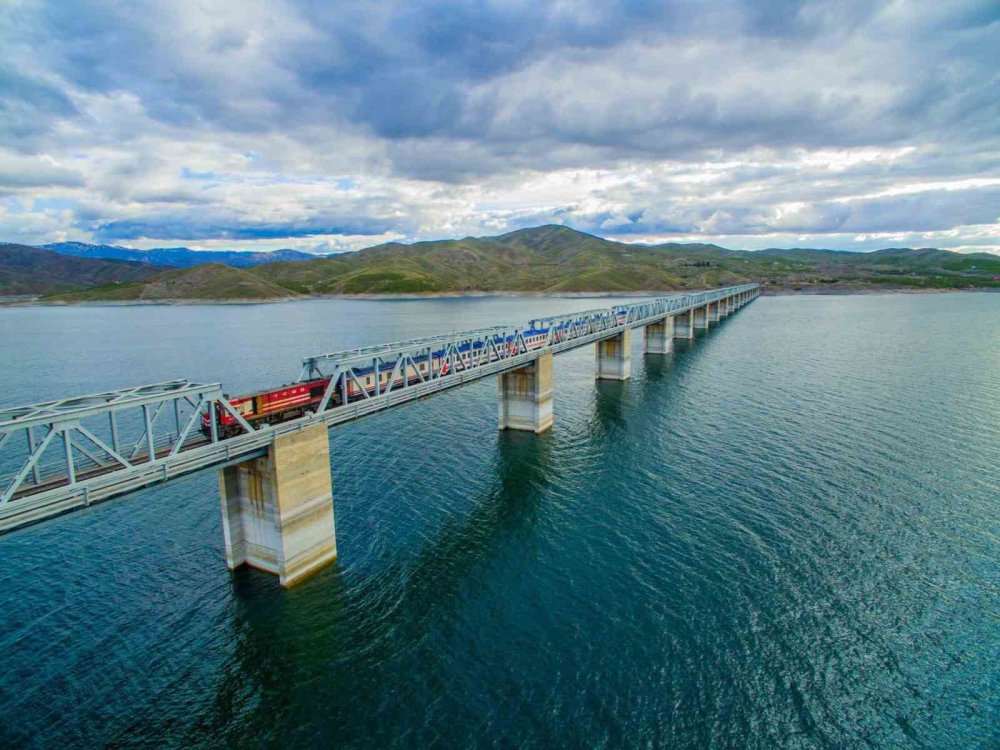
277	124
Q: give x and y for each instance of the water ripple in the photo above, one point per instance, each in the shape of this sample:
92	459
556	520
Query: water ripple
783	534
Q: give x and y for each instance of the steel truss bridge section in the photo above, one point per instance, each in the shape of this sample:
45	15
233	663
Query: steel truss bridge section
96	463
469	352
65	451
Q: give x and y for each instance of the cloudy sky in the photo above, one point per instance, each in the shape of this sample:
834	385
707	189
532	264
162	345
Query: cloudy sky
333	126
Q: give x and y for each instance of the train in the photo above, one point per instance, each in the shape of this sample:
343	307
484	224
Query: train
295	400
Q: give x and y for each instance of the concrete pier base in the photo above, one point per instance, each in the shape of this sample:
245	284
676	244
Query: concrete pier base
277	511
614	357
524	397
713	312
659	337
684	325
700	317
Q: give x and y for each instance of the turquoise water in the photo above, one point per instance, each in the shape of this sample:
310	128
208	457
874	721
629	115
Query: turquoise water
785	534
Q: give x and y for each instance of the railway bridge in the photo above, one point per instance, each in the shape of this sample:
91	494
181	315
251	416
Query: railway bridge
274	463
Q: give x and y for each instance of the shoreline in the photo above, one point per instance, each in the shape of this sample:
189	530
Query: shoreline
35	301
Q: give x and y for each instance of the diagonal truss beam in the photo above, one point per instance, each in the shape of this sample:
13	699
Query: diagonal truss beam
30	464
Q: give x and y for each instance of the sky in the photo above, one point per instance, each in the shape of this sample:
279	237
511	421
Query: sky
329	127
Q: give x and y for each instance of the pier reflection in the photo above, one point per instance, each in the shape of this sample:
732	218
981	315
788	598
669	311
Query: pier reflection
336	643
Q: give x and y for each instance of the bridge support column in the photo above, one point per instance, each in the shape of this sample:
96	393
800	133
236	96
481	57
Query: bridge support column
659	336
277	511
684	325
524	396
713	312
700	317
614	357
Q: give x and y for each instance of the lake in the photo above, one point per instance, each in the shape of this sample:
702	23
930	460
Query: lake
783	534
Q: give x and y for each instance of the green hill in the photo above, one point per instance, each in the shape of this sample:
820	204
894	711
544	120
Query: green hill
32	270
207	282
558	259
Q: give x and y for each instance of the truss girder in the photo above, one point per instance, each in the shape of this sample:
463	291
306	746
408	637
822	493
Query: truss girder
84	452
79	407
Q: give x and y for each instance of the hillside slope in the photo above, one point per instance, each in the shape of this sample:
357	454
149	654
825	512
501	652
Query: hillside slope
544	259
547	259
558	259
203	282
33	270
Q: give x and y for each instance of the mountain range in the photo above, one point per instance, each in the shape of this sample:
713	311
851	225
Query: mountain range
548	259
26	270
178	257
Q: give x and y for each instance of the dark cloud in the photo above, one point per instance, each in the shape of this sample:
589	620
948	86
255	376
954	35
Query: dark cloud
445	68
927	211
28	105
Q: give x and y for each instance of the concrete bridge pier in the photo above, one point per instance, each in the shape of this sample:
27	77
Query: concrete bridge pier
659	336
524	396
684	325
713	312
701	317
614	357
277	511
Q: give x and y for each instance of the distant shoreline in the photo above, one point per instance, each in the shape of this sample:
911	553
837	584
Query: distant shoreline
27	301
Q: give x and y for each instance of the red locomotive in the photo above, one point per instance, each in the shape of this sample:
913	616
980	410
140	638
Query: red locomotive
265	407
